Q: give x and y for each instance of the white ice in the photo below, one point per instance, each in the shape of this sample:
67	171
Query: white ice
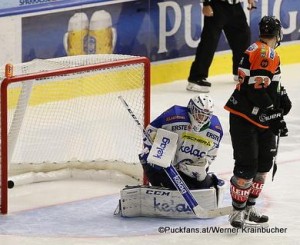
80	212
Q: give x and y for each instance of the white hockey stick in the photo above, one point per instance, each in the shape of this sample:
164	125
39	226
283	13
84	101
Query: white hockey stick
178	181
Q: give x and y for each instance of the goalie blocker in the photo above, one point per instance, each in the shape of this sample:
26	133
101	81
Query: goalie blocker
149	201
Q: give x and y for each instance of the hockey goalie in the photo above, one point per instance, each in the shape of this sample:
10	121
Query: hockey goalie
187	138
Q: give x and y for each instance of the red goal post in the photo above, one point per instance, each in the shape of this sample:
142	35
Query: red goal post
65	113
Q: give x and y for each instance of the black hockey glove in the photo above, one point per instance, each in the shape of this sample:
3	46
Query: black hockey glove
285	102
276	122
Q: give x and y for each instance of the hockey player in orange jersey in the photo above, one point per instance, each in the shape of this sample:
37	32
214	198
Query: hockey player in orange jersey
256	107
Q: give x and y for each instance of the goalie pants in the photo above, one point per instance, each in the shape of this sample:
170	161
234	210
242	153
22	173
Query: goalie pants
253	148
158	177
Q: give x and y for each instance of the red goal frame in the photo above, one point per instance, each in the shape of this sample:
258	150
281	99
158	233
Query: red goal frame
14	79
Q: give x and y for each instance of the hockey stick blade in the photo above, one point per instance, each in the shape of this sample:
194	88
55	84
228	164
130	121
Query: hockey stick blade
212	213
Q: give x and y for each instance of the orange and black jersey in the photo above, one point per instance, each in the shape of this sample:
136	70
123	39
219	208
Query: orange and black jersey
259	84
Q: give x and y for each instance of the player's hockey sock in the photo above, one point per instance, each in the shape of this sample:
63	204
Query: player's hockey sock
256	188
239	191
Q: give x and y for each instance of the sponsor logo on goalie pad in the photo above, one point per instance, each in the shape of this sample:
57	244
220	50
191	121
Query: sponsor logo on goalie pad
170	207
150	201
158	192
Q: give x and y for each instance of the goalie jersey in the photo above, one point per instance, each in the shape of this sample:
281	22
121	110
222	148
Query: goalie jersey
195	150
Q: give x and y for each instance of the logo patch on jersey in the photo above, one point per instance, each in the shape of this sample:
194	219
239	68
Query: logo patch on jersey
168	119
264	63
192	150
196	138
264	117
252	47
213	136
179	127
218	127
263	52
272	54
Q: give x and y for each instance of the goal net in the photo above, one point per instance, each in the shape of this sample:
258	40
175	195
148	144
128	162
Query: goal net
64	113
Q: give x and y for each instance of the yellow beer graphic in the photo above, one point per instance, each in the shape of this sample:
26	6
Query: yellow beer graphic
75	40
102	35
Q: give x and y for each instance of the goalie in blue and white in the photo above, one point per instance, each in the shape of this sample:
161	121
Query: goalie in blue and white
199	135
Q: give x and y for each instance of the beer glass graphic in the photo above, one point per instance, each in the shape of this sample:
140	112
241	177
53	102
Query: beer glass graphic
75	40
102	36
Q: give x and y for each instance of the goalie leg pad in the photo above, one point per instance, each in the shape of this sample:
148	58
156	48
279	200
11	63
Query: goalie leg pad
221	190
160	202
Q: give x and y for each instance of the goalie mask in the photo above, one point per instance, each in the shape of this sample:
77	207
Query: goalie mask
200	111
270	27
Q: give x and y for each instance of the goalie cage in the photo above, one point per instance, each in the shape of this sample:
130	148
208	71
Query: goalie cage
64	113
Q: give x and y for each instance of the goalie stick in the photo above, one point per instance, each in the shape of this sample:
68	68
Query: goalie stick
178	181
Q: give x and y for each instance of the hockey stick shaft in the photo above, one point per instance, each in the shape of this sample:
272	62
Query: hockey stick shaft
275	157
147	138
177	180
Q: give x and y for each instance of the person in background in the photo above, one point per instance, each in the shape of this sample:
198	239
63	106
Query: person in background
256	107
219	15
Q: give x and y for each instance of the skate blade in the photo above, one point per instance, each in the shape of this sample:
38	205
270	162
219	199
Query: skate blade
250	224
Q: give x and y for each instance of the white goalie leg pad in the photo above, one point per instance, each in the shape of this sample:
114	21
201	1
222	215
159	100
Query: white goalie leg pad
159	202
163	149
221	189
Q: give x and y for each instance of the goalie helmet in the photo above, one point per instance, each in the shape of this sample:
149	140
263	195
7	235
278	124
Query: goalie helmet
270	27
200	111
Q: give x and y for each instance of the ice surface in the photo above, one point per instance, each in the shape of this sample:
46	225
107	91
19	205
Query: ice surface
80	212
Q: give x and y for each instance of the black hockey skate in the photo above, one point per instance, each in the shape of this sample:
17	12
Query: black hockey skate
254	218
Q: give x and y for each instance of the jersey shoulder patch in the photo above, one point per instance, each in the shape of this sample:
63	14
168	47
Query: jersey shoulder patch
172	115
175	114
216	125
263	57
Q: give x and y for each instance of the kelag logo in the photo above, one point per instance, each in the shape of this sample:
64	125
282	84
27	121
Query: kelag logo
170	206
162	147
180	184
192	150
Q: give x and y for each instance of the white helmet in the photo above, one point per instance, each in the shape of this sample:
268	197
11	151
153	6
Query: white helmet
200	111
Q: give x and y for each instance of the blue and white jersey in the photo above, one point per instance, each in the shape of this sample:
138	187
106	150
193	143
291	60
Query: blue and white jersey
195	149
